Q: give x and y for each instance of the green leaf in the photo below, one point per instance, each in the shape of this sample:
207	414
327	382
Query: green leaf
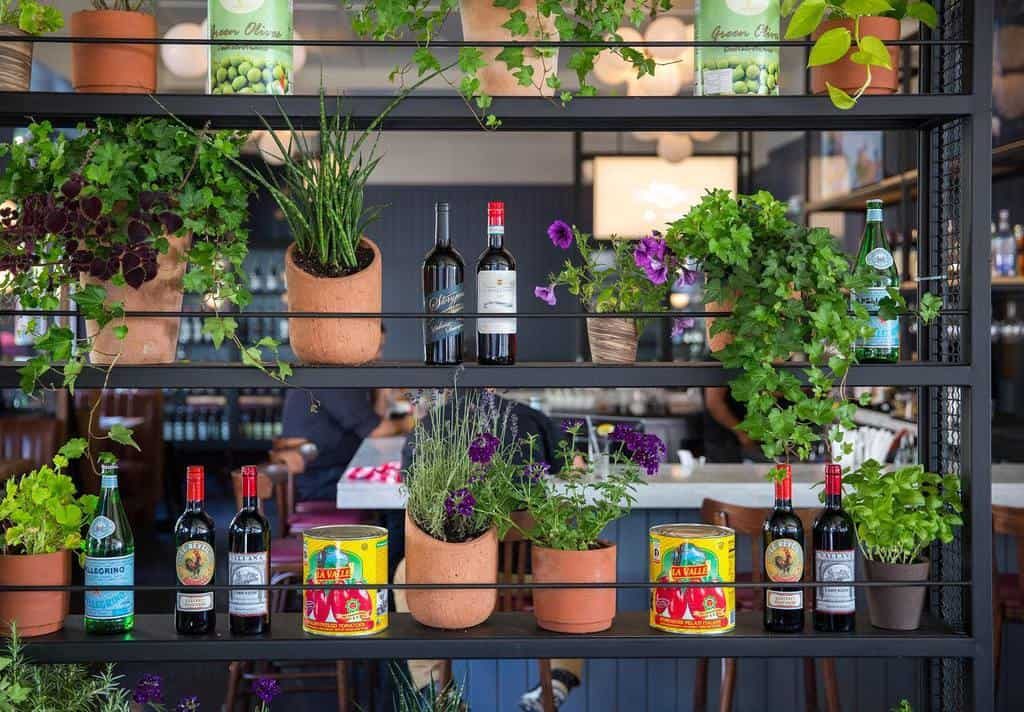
72	369
806	19
516	24
840	99
862	8
120	332
123	435
118	279
74	448
876	51
924	12
830	47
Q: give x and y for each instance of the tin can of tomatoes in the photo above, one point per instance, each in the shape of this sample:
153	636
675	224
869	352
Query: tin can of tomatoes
345	553
699	554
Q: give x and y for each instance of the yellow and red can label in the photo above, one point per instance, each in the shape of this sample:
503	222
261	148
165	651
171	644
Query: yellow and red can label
352	554
698	554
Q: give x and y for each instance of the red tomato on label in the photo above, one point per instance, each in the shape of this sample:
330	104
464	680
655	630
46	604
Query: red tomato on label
317	606
347	602
671	602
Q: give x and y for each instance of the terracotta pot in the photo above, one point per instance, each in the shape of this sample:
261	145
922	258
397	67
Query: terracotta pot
34	612
723	338
612	340
335	341
113	68
899	607
482	22
15	61
428	560
848	75
574	610
149	339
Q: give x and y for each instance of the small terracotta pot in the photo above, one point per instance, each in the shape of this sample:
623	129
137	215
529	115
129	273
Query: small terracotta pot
34	612
15	61
428	560
113	68
574	610
723	338
335	341
899	607
847	74
149	339
482	22
612	340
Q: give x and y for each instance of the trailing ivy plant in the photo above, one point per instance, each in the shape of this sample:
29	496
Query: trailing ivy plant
30	16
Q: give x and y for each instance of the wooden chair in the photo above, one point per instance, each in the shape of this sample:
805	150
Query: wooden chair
291	455
29	440
1008	588
748	521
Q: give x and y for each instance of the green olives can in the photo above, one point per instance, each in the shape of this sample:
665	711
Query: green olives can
750	70
250	69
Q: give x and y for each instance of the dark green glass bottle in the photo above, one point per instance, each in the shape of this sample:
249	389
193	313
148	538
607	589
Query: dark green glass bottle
109	561
875	261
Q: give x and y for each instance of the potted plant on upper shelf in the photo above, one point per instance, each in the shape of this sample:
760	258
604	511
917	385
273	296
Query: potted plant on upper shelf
41	521
22	18
636	277
849	57
898	515
114	68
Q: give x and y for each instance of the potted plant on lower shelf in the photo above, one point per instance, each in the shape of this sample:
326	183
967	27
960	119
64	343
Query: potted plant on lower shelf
41	521
114	68
898	515
22	18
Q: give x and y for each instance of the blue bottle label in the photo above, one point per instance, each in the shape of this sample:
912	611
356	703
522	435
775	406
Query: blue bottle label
444	301
109	571
885	332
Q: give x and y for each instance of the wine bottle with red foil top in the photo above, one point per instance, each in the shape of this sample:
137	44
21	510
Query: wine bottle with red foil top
249	562
496	294
195	561
835	549
783	538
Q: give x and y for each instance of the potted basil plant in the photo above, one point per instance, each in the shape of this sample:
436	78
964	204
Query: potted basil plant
898	515
22	18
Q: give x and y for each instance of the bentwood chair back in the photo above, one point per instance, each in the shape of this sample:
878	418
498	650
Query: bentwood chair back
1008	588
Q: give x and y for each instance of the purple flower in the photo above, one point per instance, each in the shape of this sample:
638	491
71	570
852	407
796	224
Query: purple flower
645	450
681	324
267	688
687	277
535	470
187	704
148	689
560	234
482	449
460	502
570	425
546	294
649	256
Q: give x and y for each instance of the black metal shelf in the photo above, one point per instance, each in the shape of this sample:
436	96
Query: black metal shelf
421	113
504	635
523	375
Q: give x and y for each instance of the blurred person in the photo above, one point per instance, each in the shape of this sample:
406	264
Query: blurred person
723	440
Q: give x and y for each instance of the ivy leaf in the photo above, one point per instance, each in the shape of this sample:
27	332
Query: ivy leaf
924	12
72	369
516	24
123	435
120	332
929	308
830	47
840	99
511	56
425	61
806	19
74	448
118	279
471	60
284	370
107	458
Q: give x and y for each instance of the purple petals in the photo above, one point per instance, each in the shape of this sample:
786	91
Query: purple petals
560	234
687	277
148	689
267	688
649	256
535	471
461	502
482	449
187	704
571	425
645	450
546	294
681	324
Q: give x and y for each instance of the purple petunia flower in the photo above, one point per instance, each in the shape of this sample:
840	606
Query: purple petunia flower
571	425
267	688
681	324
687	277
560	234
649	256
535	470
187	704
482	449
460	502
645	450
148	689
546	294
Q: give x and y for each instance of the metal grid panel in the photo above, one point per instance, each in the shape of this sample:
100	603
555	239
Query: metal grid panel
952	64
946	228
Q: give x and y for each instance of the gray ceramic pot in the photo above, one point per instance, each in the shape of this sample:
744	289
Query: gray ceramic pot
897	607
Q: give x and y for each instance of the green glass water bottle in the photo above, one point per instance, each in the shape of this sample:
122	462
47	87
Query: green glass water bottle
109	561
875	261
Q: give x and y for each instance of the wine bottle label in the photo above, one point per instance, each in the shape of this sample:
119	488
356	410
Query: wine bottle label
785	600
885	332
109	571
252	569
444	301
195	563
195	602
101	527
496	294
834	566
784	561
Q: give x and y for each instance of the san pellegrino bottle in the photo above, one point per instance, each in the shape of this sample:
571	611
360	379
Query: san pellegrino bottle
109	561
195	560
875	262
783	540
835	554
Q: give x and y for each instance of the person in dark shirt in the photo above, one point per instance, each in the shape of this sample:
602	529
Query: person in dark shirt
723	441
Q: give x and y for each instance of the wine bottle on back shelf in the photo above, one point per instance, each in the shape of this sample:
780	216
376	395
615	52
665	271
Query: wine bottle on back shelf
249	562
783	538
834	559
443	277
496	294
195	560
109	561
876	264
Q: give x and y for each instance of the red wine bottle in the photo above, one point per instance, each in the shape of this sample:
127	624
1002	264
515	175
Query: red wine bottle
496	294
834	559
443	277
783	537
249	562
195	561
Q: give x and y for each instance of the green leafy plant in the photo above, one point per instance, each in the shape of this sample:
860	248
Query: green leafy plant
899	514
450	698
30	16
123	5
834	44
903	706
40	510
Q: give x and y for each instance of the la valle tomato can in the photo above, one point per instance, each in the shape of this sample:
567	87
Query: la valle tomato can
699	554
352	554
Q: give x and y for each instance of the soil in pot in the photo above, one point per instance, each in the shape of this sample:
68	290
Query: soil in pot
574	610
428	560
482	22
15	61
612	340
35	612
113	68
898	607
335	341
850	76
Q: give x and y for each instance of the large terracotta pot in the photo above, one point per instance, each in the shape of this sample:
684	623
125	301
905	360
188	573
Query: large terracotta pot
574	610
15	61
34	612
335	341
723	338
428	560
898	607
482	22
847	74
612	340
113	68
149	339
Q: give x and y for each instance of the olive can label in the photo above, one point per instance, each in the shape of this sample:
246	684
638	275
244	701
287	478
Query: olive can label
345	554
737	71
698	554
250	69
